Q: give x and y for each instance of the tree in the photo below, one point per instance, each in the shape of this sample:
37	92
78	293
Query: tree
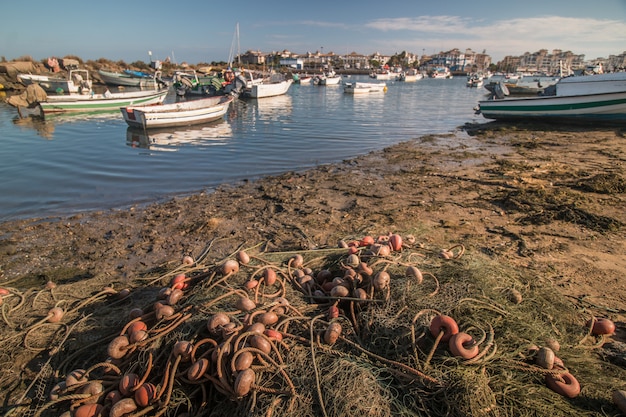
397	59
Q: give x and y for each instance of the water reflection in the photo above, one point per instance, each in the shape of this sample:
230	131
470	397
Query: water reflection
170	139
271	108
45	126
39	125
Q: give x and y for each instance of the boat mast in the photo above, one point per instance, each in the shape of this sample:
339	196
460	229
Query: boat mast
232	48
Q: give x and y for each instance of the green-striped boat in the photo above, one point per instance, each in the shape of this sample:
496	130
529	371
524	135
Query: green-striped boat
587	98
100	102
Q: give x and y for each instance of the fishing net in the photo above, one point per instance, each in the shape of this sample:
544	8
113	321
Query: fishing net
345	331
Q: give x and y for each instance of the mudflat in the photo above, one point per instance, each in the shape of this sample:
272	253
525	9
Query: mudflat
547	200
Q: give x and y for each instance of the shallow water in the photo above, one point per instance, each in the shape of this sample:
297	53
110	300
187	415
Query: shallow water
68	164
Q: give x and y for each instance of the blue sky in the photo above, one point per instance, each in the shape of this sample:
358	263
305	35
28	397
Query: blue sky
203	31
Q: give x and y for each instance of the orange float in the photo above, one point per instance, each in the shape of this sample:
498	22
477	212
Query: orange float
145	394
463	345
601	326
88	410
569	387
443	323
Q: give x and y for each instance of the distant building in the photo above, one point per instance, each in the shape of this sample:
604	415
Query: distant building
296	63
457	61
253	58
541	61
616	62
549	63
356	61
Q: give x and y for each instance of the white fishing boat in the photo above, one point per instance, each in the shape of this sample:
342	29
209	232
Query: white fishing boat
441	73
528	85
184	113
274	85
409	76
600	97
364	88
383	75
328	78
77	81
474	80
269	89
34	98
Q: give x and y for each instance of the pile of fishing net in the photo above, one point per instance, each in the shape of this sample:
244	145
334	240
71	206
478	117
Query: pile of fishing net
382	326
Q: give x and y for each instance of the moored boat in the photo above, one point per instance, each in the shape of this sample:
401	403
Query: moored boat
328	78
131	79
183	113
441	73
302	79
528	85
274	85
382	75
77	81
364	88
101	102
35	98
409	76
474	80
215	84
600	97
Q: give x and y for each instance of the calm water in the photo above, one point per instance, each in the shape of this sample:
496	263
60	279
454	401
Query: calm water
75	163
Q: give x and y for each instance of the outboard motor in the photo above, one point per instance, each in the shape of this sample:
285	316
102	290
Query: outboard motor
500	91
238	85
160	81
184	84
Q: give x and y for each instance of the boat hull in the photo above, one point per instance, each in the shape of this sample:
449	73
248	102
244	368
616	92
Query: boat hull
330	80
383	76
268	90
589	107
100	103
76	82
364	88
177	114
126	80
410	78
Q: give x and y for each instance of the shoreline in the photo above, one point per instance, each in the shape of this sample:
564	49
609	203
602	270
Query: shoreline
461	156
539	200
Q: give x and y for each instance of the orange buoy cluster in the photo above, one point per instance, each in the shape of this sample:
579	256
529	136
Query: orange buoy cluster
243	339
225	330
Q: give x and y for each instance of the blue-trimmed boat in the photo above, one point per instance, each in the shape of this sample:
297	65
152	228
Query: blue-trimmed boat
130	78
600	97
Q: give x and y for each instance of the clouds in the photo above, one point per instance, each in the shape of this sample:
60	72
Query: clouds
500	29
505	36
432	25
